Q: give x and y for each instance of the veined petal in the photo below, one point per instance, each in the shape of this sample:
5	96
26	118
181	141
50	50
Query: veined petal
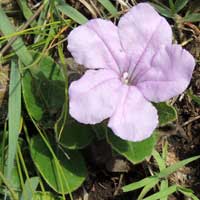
169	75
96	45
94	97
142	32
135	118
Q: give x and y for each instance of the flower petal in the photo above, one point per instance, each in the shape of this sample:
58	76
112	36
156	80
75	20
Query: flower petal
170	74
135	118
142	32
96	45
94	97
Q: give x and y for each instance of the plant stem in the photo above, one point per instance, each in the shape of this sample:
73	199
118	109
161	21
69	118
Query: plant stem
13	194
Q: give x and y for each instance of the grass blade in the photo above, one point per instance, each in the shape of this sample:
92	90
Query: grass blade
108	6
42	21
162	194
180	4
193	17
139	184
188	193
163	10
7	184
195	98
166	172
159	160
26	10
147	188
164	186
14	114
72	13
20	49
29	188
171	5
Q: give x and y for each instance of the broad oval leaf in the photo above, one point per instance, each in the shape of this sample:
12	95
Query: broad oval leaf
64	177
76	136
43	89
72	134
100	130
135	152
166	113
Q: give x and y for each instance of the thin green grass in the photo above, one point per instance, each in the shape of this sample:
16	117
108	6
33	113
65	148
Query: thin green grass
14	115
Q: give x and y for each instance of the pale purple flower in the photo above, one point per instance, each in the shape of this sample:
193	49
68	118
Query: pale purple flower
130	65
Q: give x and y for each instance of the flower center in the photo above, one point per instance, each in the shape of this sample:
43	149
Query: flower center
125	78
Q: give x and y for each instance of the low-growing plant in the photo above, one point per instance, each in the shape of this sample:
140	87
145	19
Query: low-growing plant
160	180
41	145
175	7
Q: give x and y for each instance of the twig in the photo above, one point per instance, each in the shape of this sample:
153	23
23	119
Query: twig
119	184
191	120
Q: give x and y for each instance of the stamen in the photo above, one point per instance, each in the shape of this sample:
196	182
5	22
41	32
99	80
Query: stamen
125	78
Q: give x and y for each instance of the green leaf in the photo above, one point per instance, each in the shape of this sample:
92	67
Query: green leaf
167	171
29	188
159	160
100	130
195	98
171	4
45	196
164	186
14	180
194	7
71	12
27	12
187	192
8	187
42	21
139	184
193	17
29	98
3	142
44	90
166	113
14	115
109	6
147	188
20	49
162	194
76	136
180	4
163	10
63	178
135	152
62	120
